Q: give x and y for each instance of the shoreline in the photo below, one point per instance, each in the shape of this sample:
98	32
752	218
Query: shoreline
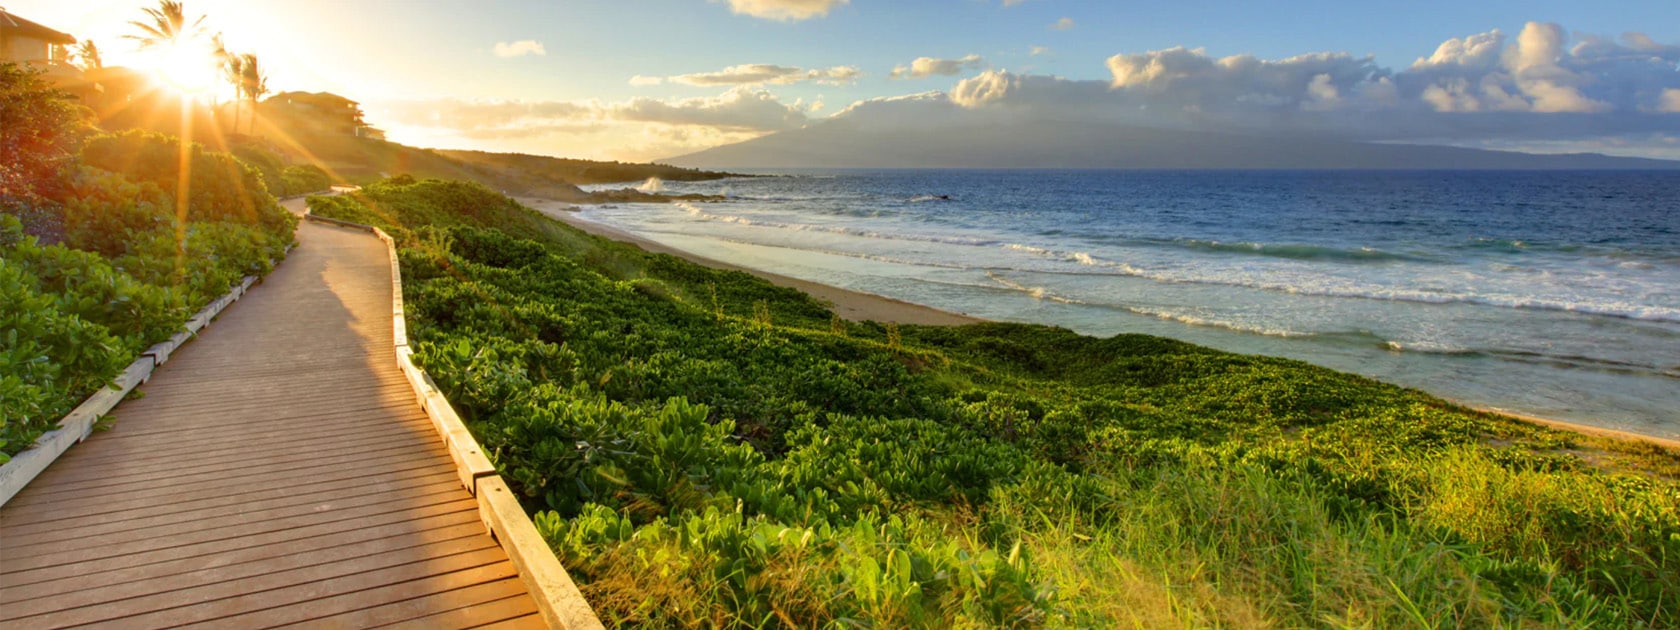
858	306
849	304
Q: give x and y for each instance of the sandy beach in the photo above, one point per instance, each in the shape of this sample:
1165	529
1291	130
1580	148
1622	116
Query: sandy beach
852	305
859	306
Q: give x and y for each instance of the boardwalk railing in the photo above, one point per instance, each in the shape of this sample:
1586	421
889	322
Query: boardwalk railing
557	597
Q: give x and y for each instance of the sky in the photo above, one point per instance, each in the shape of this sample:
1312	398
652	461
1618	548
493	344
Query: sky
647	79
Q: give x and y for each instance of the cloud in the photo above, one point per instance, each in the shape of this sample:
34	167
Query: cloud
784	10
1543	86
924	67
1670	102
1062	24
519	48
740	110
762	74
641	81
1037	50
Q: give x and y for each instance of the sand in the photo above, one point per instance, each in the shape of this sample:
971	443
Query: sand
859	306
852	305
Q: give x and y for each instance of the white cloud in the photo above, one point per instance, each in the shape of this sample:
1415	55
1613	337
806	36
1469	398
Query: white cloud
740	110
1481	88
519	48
642	81
1670	101
785	10
1062	24
762	74
924	67
1037	50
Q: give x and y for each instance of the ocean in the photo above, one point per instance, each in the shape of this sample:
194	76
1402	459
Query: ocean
1554	294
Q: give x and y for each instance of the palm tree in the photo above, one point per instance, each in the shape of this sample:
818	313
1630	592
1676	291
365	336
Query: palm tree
233	71
168	27
253	85
87	56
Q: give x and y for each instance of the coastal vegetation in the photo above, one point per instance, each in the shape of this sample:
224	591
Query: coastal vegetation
702	448
99	259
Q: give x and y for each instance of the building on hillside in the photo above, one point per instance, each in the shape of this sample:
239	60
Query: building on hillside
26	42
321	112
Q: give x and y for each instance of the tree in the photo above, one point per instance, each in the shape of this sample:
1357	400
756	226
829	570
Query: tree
86	55
233	71
253	85
168	27
40	128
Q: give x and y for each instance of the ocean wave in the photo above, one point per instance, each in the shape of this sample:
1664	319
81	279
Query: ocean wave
698	213
1194	320
1292	251
1038	293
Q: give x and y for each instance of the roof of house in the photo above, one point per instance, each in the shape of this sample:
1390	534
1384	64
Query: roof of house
12	25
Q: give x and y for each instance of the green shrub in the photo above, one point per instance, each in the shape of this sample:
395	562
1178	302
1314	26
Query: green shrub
705	449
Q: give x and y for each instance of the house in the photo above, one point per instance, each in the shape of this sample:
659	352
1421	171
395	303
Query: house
320	112
25	42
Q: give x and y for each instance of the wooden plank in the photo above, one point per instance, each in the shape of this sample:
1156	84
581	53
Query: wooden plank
488	601
111	522
302	561
514	612
250	596
190	476
430	530
87	563
135	456
329	597
229	527
213	523
528	622
240	454
557	597
106	506
396	458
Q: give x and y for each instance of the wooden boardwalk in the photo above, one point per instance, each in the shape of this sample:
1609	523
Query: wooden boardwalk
277	471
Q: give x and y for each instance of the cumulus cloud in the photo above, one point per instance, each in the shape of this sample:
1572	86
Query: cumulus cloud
642	81
785	10
1541	86
924	67
1062	24
519	48
762	74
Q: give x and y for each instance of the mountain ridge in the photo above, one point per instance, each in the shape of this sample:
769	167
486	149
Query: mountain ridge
1047	144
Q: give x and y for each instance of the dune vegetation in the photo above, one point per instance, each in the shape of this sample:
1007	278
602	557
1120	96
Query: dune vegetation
703	448
97	259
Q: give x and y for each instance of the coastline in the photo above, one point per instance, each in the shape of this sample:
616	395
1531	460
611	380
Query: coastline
857	306
852	305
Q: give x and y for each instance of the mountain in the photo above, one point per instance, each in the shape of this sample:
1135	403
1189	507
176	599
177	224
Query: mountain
843	143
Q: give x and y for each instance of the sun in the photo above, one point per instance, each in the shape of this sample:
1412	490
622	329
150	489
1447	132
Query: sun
188	67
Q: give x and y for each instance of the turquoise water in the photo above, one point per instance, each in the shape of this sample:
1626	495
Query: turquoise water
1551	294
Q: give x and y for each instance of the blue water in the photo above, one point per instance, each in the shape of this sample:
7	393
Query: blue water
1551	294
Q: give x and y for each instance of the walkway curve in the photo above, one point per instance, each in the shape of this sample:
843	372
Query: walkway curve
277	470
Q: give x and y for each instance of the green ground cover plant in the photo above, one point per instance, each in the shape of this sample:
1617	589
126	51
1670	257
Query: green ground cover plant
96	264
702	448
